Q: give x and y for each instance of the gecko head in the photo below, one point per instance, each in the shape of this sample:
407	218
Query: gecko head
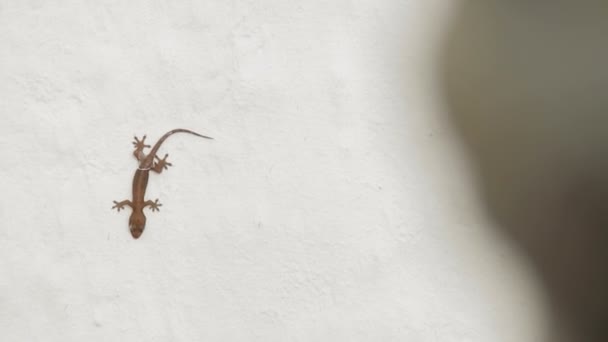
137	223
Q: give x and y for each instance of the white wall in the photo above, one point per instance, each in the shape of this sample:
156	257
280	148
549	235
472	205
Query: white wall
332	206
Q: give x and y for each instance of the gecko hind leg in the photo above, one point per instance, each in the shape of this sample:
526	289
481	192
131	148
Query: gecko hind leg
139	148
161	164
121	205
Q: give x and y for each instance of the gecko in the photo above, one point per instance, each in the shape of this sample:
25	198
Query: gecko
147	162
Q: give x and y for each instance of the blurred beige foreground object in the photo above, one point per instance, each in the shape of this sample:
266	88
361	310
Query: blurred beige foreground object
526	85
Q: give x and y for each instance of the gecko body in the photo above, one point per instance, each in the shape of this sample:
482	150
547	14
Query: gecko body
147	162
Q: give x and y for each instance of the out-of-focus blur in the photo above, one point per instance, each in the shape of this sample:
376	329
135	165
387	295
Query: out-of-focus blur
526	84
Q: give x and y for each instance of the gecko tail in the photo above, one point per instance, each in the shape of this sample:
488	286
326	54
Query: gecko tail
171	132
202	136
183	130
148	161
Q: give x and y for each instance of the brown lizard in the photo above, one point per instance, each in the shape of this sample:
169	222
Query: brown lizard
147	163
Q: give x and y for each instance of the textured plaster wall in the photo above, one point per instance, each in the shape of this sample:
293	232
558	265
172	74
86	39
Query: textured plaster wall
333	205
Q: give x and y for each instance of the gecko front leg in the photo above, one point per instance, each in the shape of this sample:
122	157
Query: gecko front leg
154	205
139	148
161	164
121	205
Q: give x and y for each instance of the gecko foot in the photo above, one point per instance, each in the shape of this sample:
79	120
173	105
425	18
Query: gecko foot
161	164
121	205
139	147
140	144
154	206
